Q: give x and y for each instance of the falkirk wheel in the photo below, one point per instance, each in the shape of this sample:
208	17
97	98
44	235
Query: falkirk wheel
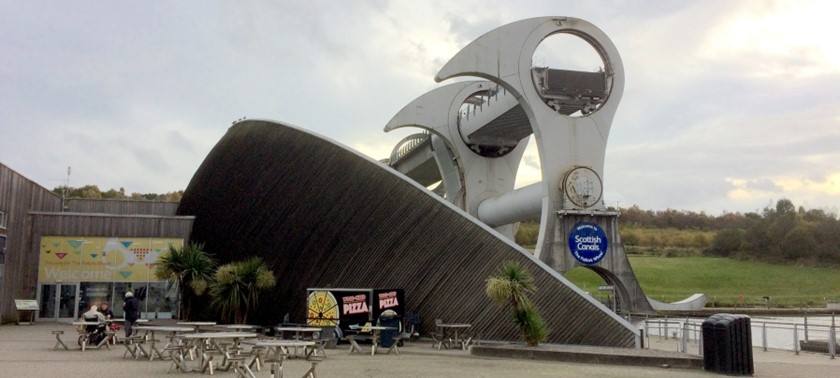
478	130
322	215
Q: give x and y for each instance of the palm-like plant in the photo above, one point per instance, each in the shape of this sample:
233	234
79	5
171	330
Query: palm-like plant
191	268
512	287
236	289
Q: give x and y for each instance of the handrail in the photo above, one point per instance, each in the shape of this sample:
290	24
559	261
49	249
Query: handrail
687	330
408	145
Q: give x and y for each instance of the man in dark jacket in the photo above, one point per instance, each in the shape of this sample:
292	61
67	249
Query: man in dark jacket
132	312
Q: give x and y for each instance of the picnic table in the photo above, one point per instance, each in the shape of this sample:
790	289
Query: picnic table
152	340
197	325
299	331
454	328
240	327
208	342
375	332
281	351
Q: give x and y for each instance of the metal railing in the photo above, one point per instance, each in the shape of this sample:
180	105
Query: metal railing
771	334
407	146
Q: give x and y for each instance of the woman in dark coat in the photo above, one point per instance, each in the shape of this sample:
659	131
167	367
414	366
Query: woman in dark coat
132	312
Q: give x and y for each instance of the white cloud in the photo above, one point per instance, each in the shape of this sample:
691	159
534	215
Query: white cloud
135	96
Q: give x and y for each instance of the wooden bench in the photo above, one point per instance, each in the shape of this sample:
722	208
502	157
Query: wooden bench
177	354
134	346
58	341
240	366
354	346
313	363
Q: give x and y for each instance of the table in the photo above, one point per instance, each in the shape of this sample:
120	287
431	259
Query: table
375	330
197	325
173	330
83	337
280	347
239	327
455	327
208	341
298	330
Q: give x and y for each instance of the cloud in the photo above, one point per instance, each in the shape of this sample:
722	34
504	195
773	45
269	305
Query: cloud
721	110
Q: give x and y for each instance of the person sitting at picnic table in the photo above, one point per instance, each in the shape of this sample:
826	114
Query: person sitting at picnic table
132	312
97	331
106	310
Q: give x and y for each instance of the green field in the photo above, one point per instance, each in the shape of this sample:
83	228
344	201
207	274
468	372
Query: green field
669	279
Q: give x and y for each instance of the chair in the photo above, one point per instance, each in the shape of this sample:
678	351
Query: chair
411	326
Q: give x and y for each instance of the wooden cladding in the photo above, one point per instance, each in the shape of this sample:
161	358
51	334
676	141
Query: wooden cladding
121	207
32	211
19	196
321	215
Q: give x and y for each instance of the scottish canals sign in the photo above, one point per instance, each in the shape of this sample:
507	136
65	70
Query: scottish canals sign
588	243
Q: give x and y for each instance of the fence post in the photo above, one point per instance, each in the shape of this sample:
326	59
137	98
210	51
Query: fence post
684	337
796	339
806	326
764	335
647	334
666	327
832	338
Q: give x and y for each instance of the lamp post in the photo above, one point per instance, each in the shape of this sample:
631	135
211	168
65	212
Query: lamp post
64	194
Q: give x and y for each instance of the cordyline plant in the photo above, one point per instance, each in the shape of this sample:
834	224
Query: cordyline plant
191	268
511	287
236	290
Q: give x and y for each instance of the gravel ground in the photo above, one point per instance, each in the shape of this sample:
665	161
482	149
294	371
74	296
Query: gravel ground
26	351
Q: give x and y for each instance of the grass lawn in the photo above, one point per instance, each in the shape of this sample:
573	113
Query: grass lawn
670	279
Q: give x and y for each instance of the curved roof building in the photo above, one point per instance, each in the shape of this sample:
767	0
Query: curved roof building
322	215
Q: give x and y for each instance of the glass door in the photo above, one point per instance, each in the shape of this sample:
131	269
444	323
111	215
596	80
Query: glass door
58	301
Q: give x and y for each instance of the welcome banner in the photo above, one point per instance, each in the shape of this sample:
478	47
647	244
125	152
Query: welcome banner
101	259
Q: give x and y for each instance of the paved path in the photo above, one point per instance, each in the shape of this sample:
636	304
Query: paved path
26	351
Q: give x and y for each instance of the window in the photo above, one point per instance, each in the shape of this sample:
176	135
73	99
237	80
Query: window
2	219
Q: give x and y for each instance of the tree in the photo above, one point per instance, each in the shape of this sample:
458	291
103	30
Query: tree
191	268
236	289
511	287
727	242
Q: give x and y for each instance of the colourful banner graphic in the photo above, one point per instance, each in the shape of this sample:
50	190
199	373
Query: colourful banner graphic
99	259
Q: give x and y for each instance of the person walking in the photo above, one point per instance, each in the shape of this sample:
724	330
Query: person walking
131	307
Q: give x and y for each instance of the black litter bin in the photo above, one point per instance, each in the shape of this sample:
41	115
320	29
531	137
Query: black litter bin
727	344
388	318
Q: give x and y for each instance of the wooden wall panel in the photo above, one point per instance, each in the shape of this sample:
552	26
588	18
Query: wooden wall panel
323	216
124	207
19	196
34	211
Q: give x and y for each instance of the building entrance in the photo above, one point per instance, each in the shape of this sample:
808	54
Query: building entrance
58	301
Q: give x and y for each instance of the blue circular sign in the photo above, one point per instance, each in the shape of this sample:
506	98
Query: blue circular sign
588	243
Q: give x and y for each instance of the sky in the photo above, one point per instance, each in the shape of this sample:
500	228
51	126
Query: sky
728	106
